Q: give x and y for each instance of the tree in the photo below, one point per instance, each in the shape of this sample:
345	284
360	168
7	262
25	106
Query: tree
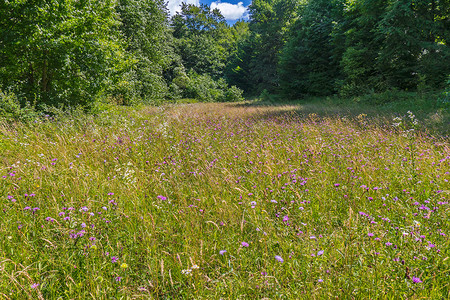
145	27
362	45
307	65
269	22
414	43
55	52
199	41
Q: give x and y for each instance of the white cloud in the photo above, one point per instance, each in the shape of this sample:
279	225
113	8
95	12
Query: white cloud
175	5
230	11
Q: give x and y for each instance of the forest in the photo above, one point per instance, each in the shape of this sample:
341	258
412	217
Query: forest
78	53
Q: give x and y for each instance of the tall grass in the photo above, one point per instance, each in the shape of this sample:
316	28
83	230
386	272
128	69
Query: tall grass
223	201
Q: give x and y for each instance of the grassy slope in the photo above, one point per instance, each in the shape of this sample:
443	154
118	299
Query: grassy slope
128	205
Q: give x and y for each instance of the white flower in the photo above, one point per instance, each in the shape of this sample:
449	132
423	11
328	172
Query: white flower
186	272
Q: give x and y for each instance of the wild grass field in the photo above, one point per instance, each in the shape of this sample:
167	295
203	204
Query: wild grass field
225	201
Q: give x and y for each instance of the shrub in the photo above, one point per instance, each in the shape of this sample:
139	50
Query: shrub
444	99
11	108
233	94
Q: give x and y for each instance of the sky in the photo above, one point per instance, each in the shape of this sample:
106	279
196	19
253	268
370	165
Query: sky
232	10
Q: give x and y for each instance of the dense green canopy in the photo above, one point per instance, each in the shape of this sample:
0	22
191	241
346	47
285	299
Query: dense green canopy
76	52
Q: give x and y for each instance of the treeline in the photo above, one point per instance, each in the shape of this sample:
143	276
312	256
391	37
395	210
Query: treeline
76	52
350	47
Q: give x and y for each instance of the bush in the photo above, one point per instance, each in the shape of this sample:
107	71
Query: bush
233	94
203	88
444	99
11	109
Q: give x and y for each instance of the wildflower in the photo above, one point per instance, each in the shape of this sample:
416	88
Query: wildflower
244	244
124	266
320	252
186	272
34	285
320	280
114	259
279	258
388	244
83	225
370	234
118	278
222	252
416	280
195	267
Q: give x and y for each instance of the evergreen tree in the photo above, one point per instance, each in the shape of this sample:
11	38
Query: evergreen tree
307	65
269	23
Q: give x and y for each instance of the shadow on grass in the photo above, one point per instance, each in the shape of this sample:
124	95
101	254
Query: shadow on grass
433	118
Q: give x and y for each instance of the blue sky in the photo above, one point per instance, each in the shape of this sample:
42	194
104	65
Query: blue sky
232	10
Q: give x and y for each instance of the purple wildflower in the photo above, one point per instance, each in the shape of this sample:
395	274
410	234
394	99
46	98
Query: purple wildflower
416	280
279	258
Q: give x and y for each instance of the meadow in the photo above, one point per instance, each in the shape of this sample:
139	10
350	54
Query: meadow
224	201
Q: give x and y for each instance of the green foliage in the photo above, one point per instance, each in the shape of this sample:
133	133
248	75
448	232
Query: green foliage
145	27
205	88
233	94
202	87
55	52
11	109
238	67
269	23
444	100
200	39
306	64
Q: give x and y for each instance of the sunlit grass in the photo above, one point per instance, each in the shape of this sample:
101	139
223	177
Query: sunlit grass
223	201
